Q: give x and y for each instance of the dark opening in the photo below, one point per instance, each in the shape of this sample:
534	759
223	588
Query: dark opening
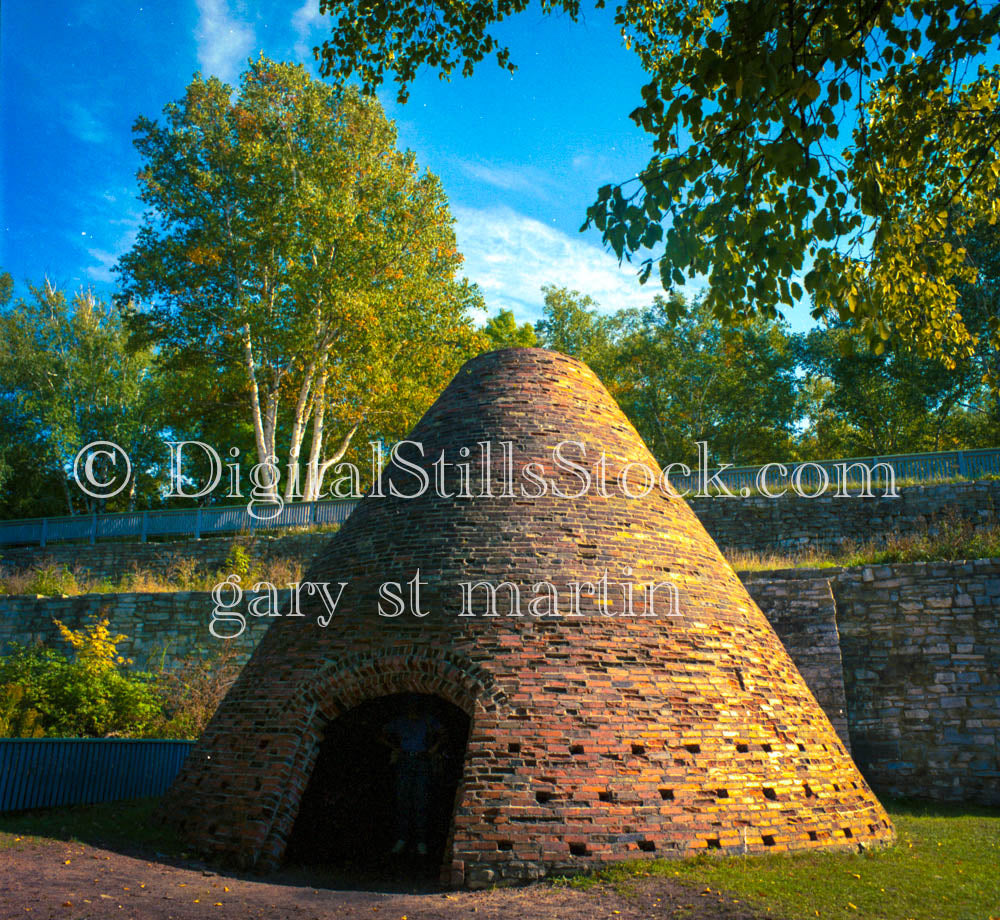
349	820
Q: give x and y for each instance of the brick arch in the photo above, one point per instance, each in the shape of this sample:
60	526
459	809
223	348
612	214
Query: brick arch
347	682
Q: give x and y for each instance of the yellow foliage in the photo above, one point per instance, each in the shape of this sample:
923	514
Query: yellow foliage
94	643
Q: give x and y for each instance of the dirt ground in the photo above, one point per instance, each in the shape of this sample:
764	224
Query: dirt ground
57	879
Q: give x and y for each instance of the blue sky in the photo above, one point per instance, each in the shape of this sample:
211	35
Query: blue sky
520	156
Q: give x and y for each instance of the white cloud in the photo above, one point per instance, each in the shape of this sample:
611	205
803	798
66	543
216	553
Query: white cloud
508	178
85	125
306	18
224	43
105	262
510	256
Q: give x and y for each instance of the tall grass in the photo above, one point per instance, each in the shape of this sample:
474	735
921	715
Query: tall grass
947	539
182	575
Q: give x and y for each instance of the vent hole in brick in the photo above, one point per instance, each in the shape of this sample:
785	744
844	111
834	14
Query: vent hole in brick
739	677
578	849
742	748
836	788
813	835
770	794
257	784
542	797
768	840
638	749
693	748
576	749
605	796
766	748
714	844
847	833
647	846
802	747
722	793
667	795
871	828
513	749
264	742
505	845
808	791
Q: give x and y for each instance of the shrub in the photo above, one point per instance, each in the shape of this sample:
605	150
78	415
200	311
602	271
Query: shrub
94	692
238	561
90	694
17	718
191	691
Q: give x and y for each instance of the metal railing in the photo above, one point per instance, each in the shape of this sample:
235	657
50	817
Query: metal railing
950	464
45	772
188	522
199	522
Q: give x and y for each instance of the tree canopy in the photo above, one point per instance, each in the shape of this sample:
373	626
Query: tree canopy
823	149
687	380
502	331
68	376
286	235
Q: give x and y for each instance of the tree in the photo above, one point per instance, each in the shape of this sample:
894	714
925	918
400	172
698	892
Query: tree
572	324
502	331
822	148
980	307
687	379
691	380
860	403
69	376
286	235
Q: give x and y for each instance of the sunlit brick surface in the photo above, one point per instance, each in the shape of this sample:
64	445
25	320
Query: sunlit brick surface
594	738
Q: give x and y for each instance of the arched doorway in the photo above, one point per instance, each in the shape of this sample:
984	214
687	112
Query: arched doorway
350	820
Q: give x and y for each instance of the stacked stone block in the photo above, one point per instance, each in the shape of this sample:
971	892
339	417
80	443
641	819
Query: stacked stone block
922	676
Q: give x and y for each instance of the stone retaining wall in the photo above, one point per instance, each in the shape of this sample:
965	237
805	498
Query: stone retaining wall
904	659
921	648
166	627
799	605
758	524
111	560
753	524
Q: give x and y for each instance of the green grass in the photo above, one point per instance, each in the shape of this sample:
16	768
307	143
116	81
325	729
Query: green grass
116	825
945	866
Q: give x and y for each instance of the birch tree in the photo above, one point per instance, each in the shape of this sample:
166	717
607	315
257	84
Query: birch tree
286	232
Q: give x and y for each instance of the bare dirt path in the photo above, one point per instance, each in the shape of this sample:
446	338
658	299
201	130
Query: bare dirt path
61	879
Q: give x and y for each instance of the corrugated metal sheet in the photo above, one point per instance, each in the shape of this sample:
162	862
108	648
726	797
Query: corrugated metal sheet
44	772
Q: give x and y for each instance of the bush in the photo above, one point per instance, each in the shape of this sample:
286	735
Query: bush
94	692
192	690
91	694
17	718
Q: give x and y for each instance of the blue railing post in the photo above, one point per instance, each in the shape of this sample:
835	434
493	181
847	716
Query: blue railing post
93	528
45	530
